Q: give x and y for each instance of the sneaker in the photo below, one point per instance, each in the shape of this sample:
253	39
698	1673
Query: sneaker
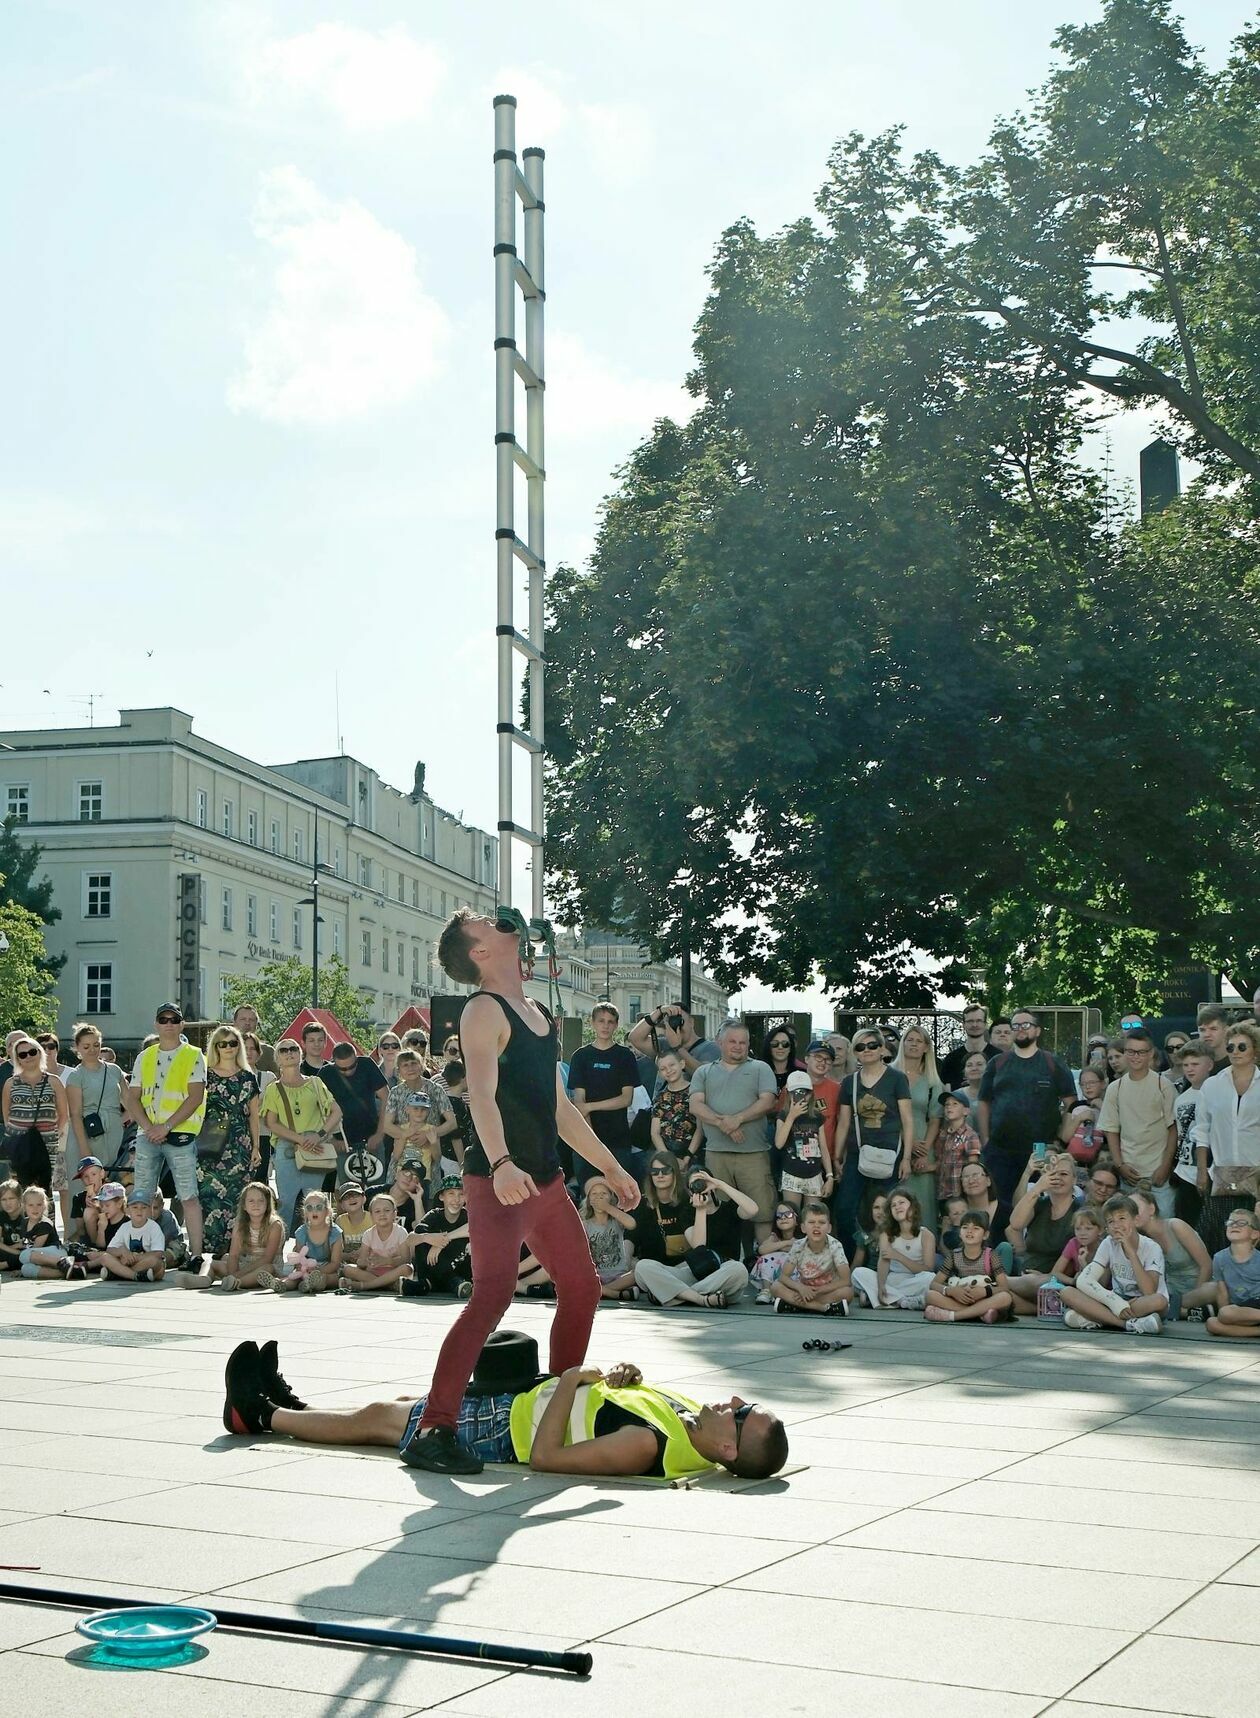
764	1298
410	1289
229	1283
1078	1321
266	1280
993	1315
437	1450
194	1263
1196	1315
242	1383
1149	1325
837	1309
275	1387
938	1315
192	1280
464	1291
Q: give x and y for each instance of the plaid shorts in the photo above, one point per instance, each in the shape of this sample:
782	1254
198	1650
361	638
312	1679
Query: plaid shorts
484	1426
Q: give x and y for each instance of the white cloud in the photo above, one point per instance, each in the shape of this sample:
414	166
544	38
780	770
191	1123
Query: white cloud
617	136
585	393
348	329
370	79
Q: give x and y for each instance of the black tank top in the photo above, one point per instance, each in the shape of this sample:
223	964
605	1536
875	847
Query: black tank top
526	1097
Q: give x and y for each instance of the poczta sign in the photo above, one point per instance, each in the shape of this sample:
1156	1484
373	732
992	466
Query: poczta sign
189	943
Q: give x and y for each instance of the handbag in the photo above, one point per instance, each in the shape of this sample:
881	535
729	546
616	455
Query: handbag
27	1150
876	1162
318	1155
93	1126
211	1140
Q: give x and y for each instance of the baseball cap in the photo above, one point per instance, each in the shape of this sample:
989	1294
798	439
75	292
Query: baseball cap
818	1046
141	1198
90	1163
450	1184
799	1082
169	1008
348	1187
112	1190
415	1164
963	1098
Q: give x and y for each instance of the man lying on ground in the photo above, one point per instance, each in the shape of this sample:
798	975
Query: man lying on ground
628	1427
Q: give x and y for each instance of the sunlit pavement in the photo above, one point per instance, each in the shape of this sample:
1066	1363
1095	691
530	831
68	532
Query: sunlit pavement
984	1522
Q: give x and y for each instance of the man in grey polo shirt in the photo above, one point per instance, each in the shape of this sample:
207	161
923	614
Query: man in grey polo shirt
729	1097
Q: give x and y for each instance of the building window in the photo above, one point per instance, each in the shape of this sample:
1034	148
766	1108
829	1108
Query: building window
19	802
251	828
201	992
98	894
98	987
251	915
384	954
297	927
227	818
275	836
636	1007
429	956
273	923
400	957
443	903
365	948
365	871
415	893
336	861
337	937
202	804
385	880
202	904
297	843
227	909
415	963
402	881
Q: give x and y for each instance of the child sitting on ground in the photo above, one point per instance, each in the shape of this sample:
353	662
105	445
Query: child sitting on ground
11	1227
315	1260
607	1227
773	1251
439	1245
1082	1249
972	1284
257	1240
906	1250
176	1251
815	1276
352	1219
39	1254
137	1249
91	1172
384	1257
1123	1288
1236	1275
866	1251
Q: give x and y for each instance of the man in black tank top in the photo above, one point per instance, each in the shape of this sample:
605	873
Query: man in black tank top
513	1185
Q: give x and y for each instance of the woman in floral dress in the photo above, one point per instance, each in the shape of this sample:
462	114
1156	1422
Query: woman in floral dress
231	1109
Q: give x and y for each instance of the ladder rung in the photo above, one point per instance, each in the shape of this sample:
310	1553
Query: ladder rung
521	643
526	372
526	555
519	737
523	191
520	832
529	466
525	280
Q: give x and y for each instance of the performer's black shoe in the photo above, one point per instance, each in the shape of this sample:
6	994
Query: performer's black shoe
275	1387
437	1450
245	1407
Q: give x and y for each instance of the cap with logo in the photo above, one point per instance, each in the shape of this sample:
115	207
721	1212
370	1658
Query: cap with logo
799	1082
112	1190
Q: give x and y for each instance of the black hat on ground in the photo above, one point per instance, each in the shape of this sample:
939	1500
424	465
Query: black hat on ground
507	1363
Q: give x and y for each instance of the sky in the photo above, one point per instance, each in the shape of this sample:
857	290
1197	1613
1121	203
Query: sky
247	462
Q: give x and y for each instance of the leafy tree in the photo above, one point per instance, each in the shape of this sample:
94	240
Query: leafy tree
19	861
27	998
861	662
281	989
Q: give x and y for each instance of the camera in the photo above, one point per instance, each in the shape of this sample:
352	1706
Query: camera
698	1184
674	1021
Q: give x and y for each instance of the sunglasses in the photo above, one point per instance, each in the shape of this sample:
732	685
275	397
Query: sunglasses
229	1043
288	1052
740	1415
1239	1044
661	1169
25	1055
170	1019
863	1048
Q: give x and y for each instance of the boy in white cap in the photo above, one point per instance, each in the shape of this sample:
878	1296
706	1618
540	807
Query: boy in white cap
137	1249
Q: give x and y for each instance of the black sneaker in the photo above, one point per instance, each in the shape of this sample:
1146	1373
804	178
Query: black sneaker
245	1414
242	1382
1196	1315
437	1450
409	1287
275	1387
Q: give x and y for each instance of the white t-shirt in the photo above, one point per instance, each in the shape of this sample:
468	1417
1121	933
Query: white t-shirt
1111	1256
164	1060
150	1238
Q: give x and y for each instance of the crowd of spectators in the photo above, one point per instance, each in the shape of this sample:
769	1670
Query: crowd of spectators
855	1173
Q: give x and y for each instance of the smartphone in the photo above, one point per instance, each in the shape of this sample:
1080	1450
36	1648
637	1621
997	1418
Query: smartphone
1039	1150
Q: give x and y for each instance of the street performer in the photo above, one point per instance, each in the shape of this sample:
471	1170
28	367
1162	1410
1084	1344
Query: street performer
513	1185
583	1422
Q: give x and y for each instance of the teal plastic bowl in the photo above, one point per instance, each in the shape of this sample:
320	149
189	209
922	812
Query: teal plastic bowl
147	1631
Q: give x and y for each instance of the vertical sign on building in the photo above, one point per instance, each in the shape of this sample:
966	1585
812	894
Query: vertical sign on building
189	942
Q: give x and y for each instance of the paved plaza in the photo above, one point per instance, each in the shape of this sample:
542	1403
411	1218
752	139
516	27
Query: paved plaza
988	1523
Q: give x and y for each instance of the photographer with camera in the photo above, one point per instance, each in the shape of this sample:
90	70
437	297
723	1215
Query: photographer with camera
669	1027
711	1274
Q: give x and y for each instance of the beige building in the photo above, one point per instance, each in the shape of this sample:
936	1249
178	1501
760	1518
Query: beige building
178	865
623	972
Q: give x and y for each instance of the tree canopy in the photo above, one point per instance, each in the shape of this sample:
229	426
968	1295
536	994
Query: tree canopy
864	661
281	989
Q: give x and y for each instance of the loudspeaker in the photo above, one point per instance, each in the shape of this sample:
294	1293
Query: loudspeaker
572	1028
444	1013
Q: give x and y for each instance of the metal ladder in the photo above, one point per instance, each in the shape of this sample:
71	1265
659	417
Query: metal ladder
519	272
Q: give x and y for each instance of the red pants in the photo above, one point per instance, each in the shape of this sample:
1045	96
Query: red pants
550	1227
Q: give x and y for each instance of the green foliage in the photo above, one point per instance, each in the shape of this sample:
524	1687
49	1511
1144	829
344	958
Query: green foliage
27	998
861	664
19	861
281	989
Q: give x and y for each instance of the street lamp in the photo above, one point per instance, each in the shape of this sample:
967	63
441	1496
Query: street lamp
312	900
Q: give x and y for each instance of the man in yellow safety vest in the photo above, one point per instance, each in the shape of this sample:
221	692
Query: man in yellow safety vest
167	1101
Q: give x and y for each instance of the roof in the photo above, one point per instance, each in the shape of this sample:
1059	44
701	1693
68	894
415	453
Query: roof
337	1033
